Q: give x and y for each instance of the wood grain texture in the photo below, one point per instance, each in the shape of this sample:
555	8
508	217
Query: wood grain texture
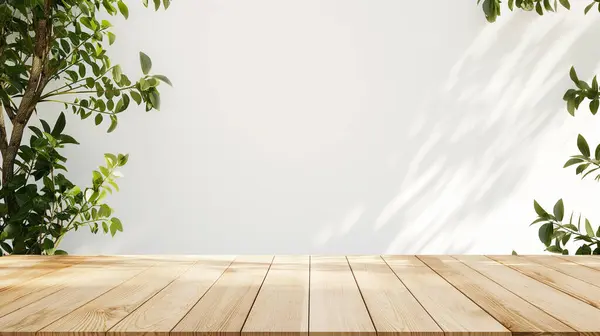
281	307
162	312
575	270
336	305
453	312
569	310
553	278
80	290
300	295
102	313
587	261
224	308
516	314
393	309
16	275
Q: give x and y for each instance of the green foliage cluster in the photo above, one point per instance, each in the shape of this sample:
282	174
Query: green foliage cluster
554	232
55	51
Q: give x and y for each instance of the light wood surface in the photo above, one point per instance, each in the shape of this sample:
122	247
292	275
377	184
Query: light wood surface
573	312
281	307
299	295
454	312
518	315
336	305
224	308
393	309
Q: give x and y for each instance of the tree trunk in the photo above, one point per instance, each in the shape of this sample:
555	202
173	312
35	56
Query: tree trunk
38	78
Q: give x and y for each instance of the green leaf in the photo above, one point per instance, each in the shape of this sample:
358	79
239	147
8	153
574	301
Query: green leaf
111	38
547	6
545	233
565	3
581	168
156	4
111	159
123	9
539	210
583	146
146	63
573	161
597	152
571	106
588	229
98	119
571	226
166	3
554	249
559	210
117	72
155	99
594	106
105	227
588	7
573	75
538	9
60	252
74	191
89	82
583	250
510	6
60	125
136	97
105	211
113	124
163	79
122	160
115	225
514	252
81	70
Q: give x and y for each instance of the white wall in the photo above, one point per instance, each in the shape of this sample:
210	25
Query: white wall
344	126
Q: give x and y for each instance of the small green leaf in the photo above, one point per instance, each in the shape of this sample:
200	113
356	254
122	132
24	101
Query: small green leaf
60	252
594	106
583	250
111	38
146	63
545	233
559	210
539	210
60	125
113	124
554	249
122	160
115	225
573	75
166	3
565	3
581	168
583	146
98	119
588	7
117	72
123	9
154	97
588	229
573	161
571	106
156	4
514	252
163	79
538	9
136	97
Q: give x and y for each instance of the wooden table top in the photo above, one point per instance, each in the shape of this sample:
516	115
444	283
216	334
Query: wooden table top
295	295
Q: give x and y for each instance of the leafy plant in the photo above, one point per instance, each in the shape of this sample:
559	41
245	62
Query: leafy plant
554	232
54	51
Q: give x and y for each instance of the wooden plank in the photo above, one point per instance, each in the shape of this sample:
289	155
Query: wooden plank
281	307
452	311
582	290
336	305
585	260
102	313
31	268
575	270
572	312
393	309
37	315
224	308
31	291
516	314
163	311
